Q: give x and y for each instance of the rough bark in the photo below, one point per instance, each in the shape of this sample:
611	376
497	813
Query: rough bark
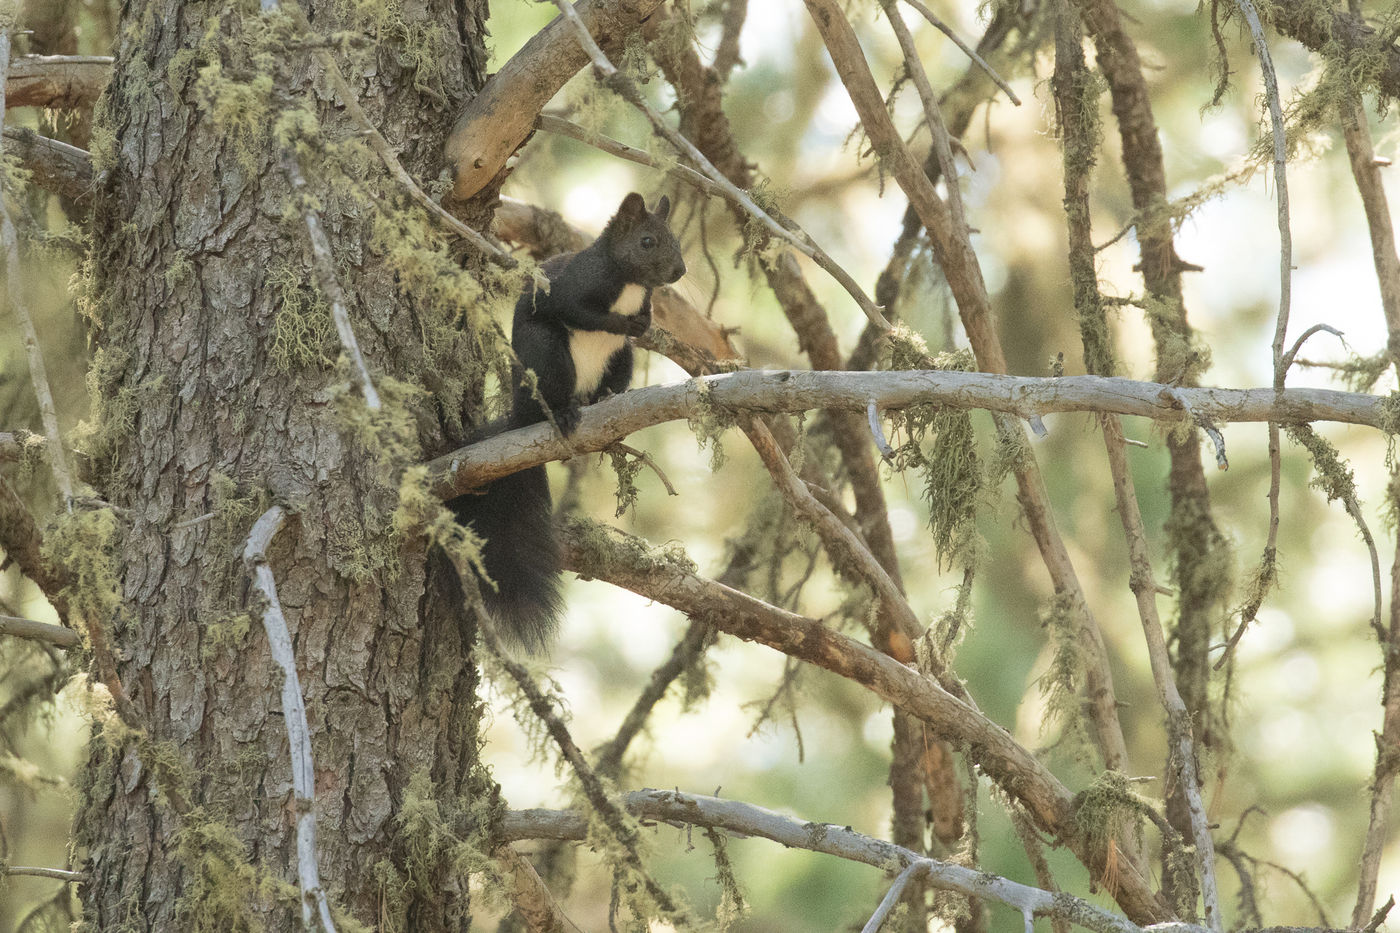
188	822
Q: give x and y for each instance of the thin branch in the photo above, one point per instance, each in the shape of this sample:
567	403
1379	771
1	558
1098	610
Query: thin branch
559	126
528	892
610	555
847	551
1292	353
685	654
323	263
1280	140
792	391
314	906
891	897
73	877
623	86
1182	748
745	819
588	779
57	635
967	50
14	279
938	132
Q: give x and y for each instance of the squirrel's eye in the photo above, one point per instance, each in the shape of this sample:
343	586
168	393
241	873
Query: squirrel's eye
648	242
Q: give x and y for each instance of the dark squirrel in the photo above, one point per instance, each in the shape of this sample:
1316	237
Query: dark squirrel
574	339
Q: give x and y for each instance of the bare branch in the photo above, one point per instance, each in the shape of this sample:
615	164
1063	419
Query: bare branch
53	166
61	874
1292	353
608	554
57	635
790	391
967	50
799	240
558	125
746	819
1182	749
323	264
847	551
314	906
58	460
57	82
501	116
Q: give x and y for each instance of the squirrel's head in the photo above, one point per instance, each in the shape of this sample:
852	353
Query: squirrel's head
641	243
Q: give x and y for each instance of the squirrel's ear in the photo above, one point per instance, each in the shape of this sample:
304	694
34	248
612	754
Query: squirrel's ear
632	211
663	208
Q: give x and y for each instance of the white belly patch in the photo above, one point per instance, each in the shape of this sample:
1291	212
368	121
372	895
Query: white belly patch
591	349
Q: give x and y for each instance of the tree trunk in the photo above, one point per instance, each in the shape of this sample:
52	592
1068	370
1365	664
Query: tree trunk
217	392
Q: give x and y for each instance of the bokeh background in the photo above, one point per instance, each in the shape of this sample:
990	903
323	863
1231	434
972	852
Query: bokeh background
1304	701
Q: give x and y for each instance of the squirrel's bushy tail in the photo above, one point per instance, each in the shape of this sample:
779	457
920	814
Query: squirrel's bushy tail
520	551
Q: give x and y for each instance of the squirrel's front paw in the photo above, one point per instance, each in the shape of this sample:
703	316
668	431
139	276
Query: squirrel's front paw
638	324
567	419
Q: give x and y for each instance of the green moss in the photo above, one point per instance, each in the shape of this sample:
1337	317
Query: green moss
241	110
223	891
83	542
709	423
303	333
951	468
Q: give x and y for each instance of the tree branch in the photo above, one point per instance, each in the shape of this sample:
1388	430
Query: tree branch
611	555
57	635
502	115
314	906
746	819
54	166
57	82
791	391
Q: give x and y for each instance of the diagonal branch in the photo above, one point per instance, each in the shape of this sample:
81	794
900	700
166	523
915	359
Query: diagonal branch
498	120
624	87
953	247
620	559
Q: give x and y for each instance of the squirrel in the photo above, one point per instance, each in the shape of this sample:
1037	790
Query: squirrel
574	340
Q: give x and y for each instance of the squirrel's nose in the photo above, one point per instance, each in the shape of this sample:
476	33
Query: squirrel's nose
677	270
